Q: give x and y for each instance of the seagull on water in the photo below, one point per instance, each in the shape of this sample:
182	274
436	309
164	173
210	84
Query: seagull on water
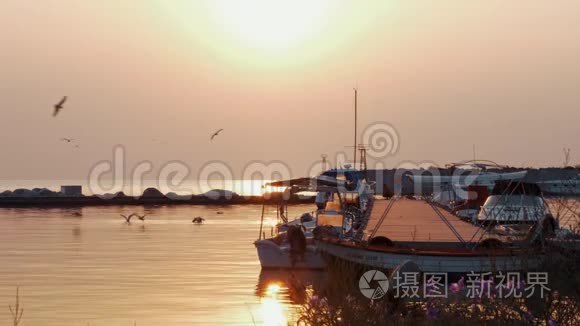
58	106
198	220
215	134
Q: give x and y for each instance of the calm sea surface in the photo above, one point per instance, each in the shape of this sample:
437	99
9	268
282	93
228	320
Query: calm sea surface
95	269
87	266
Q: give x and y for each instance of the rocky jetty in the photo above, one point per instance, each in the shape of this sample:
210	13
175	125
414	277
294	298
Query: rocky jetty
152	193
30	193
220	194
41	197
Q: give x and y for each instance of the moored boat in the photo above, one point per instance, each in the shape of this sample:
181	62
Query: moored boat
293	244
274	255
469	178
400	230
514	202
449	260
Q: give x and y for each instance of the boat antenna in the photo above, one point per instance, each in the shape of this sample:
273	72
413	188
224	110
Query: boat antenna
566	156
363	156
324	162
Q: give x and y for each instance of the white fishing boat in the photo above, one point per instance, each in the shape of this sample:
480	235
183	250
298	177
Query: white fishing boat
291	244
273	255
279	250
451	190
514	202
479	178
570	187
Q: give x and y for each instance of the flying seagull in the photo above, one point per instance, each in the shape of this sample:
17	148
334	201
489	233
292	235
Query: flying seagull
58	106
215	134
127	218
141	217
68	140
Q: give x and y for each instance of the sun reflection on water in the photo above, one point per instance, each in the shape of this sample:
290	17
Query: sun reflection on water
280	293
273	289
272	310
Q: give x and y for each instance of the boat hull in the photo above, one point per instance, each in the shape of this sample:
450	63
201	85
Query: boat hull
431	262
272	255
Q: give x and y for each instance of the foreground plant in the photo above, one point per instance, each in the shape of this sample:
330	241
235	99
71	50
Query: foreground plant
17	310
339	302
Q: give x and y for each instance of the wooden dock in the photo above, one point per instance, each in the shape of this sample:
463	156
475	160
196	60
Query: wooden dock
416	221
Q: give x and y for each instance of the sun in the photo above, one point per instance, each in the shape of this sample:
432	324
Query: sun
271	24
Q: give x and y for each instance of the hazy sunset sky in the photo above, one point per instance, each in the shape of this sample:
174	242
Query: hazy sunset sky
278	77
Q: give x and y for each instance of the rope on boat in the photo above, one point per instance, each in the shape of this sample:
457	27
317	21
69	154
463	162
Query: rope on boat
446	221
385	213
365	220
572	209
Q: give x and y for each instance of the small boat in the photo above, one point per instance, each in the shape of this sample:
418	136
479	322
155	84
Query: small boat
280	251
472	172
452	190
292	245
514	202
570	187
278	256
480	178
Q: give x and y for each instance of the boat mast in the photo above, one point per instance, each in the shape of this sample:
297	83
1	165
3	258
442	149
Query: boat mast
262	219
355	125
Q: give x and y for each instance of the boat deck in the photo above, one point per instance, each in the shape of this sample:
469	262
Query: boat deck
416	221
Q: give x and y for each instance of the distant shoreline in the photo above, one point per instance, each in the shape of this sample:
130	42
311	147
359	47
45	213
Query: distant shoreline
385	180
15	202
